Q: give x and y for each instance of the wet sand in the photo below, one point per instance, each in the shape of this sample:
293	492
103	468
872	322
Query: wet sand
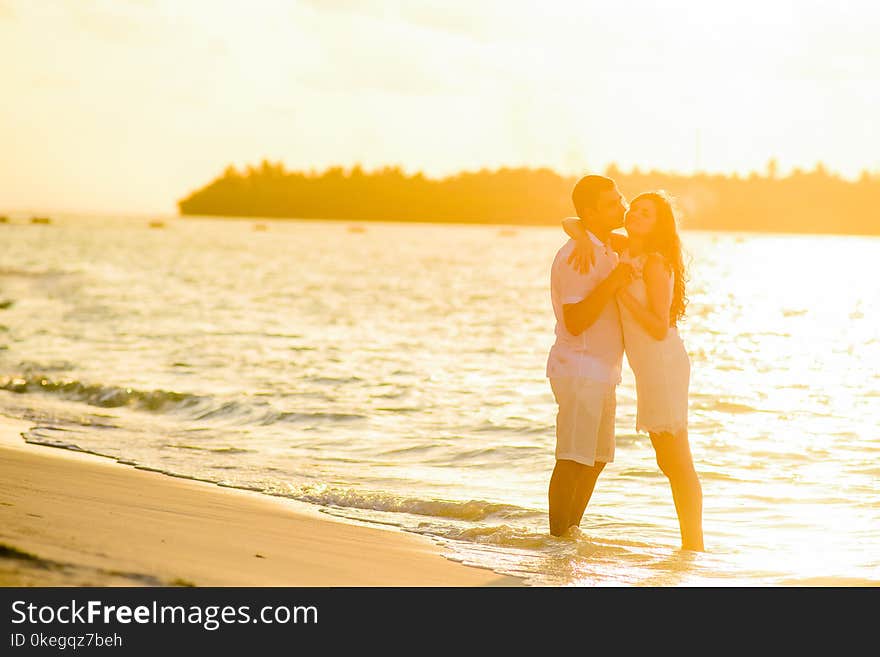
75	519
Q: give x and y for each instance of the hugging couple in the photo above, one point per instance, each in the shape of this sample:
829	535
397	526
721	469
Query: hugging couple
613	293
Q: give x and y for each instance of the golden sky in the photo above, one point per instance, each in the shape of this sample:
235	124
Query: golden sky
127	105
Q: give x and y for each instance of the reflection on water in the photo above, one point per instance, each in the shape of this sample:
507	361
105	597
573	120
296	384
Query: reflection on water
396	374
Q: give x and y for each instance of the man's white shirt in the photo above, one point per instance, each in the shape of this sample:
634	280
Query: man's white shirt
597	353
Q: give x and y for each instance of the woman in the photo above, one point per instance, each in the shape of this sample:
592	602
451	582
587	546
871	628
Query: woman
650	309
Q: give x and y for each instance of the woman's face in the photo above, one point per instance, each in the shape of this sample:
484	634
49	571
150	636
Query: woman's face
641	217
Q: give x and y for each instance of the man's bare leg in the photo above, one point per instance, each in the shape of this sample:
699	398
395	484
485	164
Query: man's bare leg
584	491
561	494
675	460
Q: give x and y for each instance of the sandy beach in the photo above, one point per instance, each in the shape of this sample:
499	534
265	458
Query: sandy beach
76	519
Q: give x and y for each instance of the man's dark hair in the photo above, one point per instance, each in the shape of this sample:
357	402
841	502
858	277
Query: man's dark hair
586	192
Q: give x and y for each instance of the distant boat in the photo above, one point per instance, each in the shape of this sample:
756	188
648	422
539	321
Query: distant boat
157	224
41	220
261	227
4	220
357	229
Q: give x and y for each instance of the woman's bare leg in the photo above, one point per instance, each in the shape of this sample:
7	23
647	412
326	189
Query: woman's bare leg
675	460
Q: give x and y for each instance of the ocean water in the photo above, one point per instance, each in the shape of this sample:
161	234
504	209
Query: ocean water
394	373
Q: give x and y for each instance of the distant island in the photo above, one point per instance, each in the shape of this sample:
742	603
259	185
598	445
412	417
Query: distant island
814	201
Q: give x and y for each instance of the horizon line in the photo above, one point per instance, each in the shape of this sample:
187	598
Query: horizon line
172	209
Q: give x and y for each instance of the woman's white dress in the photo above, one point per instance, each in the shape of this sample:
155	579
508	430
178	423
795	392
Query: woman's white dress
661	367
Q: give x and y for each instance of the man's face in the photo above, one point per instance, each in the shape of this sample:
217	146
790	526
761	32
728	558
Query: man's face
611	209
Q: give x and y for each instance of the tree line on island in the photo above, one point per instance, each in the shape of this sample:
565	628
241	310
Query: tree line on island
814	201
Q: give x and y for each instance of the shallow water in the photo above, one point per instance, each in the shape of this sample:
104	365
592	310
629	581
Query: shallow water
395	373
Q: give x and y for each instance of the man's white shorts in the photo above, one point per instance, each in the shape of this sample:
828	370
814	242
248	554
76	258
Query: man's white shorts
585	419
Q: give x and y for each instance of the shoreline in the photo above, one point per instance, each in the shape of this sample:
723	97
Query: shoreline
70	518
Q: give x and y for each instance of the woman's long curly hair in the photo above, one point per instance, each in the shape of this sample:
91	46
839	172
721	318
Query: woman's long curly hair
664	239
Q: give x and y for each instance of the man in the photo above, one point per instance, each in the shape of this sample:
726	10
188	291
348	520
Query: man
584	363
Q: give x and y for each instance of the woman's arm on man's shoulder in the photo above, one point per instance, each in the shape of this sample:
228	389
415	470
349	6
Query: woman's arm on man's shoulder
582	256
